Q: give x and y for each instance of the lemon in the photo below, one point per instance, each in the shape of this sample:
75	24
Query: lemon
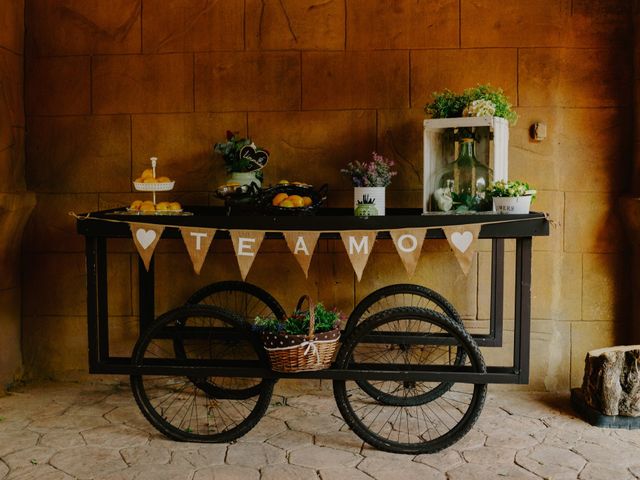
286	204
283	182
296	200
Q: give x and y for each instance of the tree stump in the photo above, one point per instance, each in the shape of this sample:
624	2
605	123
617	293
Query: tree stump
611	381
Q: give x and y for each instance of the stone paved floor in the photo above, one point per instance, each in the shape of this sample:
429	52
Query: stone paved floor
67	430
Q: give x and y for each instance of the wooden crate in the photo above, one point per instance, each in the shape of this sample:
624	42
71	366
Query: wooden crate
492	149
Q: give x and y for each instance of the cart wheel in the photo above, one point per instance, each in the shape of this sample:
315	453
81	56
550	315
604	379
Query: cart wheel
245	300
187	408
410	428
403	295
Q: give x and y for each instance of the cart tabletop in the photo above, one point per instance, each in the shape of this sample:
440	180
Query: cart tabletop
330	221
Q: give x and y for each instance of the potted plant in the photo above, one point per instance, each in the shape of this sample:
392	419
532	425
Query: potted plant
370	179
306	340
511	197
243	160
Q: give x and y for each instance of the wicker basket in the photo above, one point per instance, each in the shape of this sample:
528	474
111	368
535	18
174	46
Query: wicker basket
301	353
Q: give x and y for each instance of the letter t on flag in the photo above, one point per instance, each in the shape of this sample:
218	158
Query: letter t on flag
197	241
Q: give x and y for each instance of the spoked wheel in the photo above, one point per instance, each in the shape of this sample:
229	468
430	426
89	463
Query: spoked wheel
409	426
190	408
245	300
403	295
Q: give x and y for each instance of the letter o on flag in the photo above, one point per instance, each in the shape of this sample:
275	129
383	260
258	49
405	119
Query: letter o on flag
412	243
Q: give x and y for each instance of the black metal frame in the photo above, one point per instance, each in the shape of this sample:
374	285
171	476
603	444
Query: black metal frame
520	227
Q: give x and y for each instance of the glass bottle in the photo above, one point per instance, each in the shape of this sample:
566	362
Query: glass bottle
462	184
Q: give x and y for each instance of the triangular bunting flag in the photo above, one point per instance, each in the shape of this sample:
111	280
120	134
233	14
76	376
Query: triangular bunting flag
462	239
359	244
302	245
408	242
146	237
246	244
197	241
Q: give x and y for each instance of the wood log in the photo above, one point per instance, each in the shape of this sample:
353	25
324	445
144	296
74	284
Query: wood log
611	381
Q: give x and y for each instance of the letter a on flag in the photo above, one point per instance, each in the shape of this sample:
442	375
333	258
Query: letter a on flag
302	245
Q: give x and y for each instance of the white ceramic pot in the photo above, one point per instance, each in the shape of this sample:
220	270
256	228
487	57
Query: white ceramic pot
377	194
512	205
245	178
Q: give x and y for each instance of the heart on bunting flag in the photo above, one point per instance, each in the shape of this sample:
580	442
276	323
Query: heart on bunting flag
462	241
145	237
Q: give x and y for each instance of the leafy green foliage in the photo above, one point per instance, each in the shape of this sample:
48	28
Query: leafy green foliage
446	104
298	323
514	188
230	151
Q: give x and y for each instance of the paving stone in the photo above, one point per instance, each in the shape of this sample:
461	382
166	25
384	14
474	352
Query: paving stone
145	455
443	461
489	455
254	454
603	451
598	471
152	472
4	469
39	472
348	441
201	457
28	457
343	473
131	416
514	439
547	461
287	472
319	404
388	469
291	440
115	436
10	442
7	425
98	409
473	439
483	472
285	413
316	424
227	472
635	470
87	462
266	428
319	457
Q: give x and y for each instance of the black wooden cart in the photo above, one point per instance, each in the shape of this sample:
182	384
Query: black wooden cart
408	377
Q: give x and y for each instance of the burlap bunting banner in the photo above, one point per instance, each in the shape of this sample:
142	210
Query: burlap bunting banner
246	244
359	244
462	239
197	240
408	242
302	245
146	238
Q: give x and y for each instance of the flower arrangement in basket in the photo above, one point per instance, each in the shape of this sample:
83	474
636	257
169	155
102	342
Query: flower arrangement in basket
304	341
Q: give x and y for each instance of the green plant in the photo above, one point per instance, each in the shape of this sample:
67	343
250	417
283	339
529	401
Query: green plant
514	188
298	323
367	200
375	173
230	151
477	101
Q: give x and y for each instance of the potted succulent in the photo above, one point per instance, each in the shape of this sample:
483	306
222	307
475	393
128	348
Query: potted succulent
511	197
243	160
370	179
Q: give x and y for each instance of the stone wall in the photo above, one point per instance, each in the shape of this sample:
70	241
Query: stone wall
15	203
321	83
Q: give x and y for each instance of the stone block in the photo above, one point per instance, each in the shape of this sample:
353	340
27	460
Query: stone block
346	80
78	27
402	24
605	288
55	284
59	359
298	25
556	286
400	139
572	77
58	86
142	83
247	81
313	146
586	336
183	144
551	203
539	23
11	90
14	212
79	154
435	70
12	25
594	159
437	270
12	161
51	228
10	324
593	225
192	26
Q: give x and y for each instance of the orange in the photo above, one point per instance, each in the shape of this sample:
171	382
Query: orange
148	173
296	200
136	205
139	180
162	206
149	180
286	203
277	200
307	201
163	179
147	208
175	206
